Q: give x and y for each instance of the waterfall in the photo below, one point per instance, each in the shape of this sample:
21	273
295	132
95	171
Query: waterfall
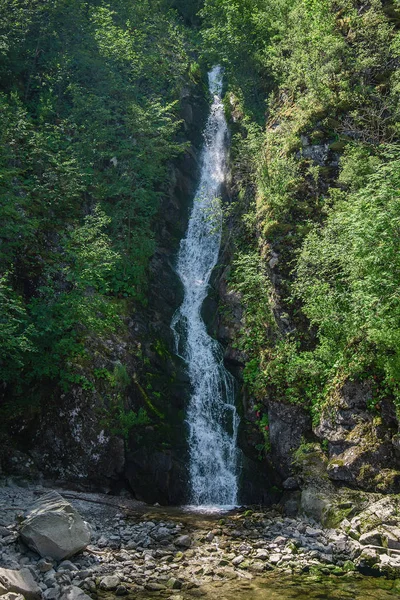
211	414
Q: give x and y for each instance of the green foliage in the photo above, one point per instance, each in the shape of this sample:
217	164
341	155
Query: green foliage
126	421
15	332
328	309
349	275
89	101
250	281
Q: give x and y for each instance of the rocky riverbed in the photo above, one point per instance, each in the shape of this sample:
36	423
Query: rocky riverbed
139	551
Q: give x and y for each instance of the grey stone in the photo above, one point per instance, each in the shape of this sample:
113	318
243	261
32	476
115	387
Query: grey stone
121	591
368	557
73	592
53	528
21	582
67	565
384	511
110	582
313	532
52	593
290	484
44	565
183	541
161	533
4	532
238	560
275	558
174	584
318	153
391	537
373	538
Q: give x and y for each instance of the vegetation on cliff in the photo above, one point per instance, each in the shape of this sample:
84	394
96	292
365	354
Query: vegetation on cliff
89	101
316	184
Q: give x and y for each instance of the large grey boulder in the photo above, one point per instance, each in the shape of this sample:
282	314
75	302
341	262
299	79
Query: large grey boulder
53	528
20	582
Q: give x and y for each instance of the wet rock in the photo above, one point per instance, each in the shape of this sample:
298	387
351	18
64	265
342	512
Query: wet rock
154	587
20	582
4	531
53	528
52	593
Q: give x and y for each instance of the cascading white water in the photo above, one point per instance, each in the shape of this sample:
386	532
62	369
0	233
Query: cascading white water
211	415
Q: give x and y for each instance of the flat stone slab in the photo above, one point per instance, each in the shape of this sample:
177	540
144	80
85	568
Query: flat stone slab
20	582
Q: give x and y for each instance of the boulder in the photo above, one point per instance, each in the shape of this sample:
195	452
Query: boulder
53	528
20	582
384	512
391	537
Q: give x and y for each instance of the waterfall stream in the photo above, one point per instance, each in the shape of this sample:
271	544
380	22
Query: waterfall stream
211	414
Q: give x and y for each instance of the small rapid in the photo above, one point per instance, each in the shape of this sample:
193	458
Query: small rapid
211	414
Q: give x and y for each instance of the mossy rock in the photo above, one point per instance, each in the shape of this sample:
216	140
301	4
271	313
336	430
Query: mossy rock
349	566
317	136
338	146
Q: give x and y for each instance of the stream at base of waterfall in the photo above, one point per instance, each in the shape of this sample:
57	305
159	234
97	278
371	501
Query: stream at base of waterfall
211	415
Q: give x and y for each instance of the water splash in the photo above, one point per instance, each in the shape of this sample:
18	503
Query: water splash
211	415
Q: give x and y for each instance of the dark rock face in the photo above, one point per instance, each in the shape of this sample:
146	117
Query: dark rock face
287	425
76	437
258	480
360	448
70	439
157	477
156	464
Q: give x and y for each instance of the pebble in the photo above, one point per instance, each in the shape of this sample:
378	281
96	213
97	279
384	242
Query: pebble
130	555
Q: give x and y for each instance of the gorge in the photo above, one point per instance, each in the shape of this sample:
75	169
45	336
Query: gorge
199	308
